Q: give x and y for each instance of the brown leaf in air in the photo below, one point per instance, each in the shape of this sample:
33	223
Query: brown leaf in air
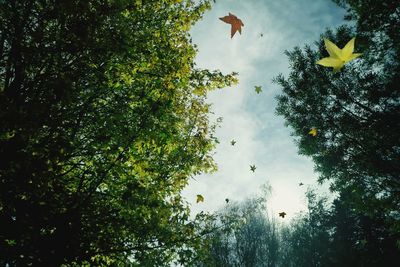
236	24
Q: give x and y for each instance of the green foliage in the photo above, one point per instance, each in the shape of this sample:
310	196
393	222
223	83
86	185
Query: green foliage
104	120
336	235
355	111
244	236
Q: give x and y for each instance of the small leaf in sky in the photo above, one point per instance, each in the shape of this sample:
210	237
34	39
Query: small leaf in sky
236	24
338	57
233	142
313	131
282	214
200	198
253	168
258	89
300	184
227	200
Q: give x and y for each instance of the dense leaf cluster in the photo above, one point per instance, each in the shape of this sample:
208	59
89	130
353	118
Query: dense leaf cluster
103	121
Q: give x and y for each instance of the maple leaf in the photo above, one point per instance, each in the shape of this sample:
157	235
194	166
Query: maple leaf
236	24
258	89
233	142
282	214
253	168
338	57
313	131
200	198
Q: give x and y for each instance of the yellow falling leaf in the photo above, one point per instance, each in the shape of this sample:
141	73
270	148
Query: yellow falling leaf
338	57
313	131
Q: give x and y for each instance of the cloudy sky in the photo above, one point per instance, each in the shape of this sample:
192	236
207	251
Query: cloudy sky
248	117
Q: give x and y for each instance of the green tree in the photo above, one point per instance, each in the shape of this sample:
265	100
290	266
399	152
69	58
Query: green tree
358	239
103	121
305	242
245	236
356	111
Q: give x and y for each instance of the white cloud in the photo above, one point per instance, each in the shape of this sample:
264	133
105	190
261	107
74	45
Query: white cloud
249	118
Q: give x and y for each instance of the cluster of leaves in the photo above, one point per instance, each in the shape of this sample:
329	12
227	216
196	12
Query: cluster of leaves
356	111
103	121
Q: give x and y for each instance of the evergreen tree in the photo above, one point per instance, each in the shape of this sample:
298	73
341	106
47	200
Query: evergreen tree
356	111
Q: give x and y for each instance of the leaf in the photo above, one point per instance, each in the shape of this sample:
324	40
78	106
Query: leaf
253	168
233	142
200	198
313	131
330	62
282	214
338	57
236	23
332	49
258	89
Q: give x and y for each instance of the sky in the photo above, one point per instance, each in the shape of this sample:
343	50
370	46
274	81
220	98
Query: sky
248	117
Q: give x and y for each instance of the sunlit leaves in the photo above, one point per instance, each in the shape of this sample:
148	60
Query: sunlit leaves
108	155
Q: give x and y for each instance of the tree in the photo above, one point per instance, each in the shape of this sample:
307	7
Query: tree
103	121
305	242
356	111
246	236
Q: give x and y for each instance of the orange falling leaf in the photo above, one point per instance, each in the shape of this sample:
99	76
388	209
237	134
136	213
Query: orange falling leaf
236	24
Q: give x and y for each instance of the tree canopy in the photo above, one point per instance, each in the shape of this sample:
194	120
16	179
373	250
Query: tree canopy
103	122
356	111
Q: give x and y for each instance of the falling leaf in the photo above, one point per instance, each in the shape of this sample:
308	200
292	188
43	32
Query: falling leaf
233	142
258	89
313	131
282	214
226	200
253	168
236	24
338	57
300	184
200	198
